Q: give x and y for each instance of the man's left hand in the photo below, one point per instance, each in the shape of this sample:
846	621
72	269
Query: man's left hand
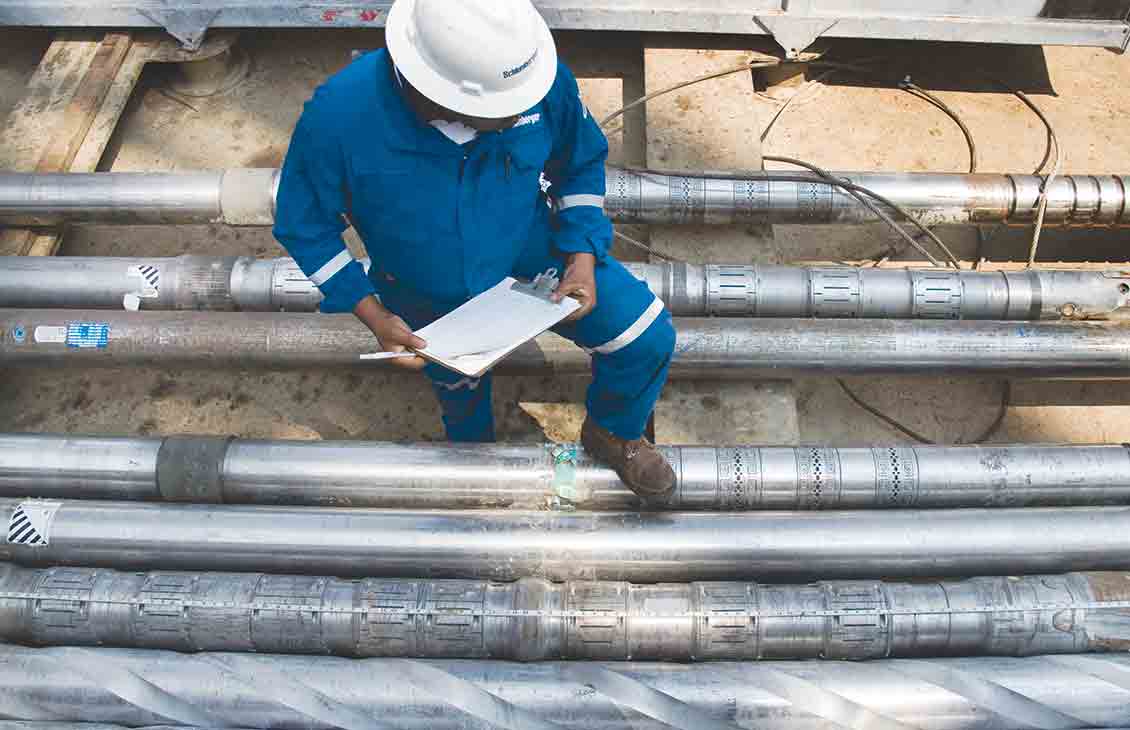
579	282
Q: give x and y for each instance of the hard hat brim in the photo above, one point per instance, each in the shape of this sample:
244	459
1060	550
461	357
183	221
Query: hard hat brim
448	94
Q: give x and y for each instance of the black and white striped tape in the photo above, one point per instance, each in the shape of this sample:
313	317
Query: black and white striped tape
30	524
151	274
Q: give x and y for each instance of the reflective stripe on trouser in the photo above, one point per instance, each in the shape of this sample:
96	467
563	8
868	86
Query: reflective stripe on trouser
627	384
636	334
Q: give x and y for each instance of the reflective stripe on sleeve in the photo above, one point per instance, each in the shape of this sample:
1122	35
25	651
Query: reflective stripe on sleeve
332	267
577	201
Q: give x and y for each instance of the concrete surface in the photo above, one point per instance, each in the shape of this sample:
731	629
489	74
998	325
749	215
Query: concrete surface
849	124
713	126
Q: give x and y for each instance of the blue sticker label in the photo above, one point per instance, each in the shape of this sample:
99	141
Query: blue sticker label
88	334
19	334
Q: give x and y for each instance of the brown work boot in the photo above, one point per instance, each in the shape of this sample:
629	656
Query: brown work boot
640	465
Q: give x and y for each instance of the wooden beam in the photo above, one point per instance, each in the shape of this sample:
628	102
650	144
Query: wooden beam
57	115
86	102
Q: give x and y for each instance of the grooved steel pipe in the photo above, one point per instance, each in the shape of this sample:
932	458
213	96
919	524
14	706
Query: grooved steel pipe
249	284
792	197
851	292
247	197
534	620
706	348
632	546
136	687
480	476
186	282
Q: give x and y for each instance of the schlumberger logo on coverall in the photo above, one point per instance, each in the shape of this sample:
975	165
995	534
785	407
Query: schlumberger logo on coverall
519	69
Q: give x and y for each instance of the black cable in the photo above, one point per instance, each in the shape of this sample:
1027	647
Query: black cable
1052	142
907	85
1006	403
853	189
915	90
643	246
1006	393
856	191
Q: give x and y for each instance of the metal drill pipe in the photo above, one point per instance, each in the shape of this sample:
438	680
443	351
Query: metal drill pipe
482	476
717	348
534	620
249	284
852	292
186	282
269	692
236	197
20	725
632	546
936	198
247	197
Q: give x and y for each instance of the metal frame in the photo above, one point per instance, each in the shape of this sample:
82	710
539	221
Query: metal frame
795	24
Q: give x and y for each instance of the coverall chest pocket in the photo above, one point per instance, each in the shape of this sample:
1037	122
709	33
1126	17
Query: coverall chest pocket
524	160
385	197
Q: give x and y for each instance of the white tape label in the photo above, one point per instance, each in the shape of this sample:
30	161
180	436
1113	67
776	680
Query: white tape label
31	523
51	335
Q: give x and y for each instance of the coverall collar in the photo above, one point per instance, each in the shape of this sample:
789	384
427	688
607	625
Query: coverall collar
404	130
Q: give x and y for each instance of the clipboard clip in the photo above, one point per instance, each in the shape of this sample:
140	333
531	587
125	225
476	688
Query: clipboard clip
542	286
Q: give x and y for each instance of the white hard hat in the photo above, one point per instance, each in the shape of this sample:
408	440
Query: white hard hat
482	58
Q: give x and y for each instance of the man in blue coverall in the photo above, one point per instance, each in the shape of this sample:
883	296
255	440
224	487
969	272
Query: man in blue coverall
442	151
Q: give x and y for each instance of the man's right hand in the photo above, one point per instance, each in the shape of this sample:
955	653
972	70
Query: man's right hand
392	332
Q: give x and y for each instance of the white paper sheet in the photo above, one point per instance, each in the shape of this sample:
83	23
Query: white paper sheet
486	329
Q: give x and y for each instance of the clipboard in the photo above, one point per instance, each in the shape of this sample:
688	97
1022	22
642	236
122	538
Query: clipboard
476	336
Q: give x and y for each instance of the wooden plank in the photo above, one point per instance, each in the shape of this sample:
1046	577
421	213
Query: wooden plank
85	103
16	241
94	142
35	119
78	118
106	121
33	122
69	122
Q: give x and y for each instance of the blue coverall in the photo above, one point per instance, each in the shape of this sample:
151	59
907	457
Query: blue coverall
444	222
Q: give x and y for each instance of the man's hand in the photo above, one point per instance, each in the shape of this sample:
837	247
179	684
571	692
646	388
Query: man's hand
579	282
393	334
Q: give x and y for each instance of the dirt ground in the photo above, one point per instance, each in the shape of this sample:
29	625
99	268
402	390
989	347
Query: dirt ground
840	123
